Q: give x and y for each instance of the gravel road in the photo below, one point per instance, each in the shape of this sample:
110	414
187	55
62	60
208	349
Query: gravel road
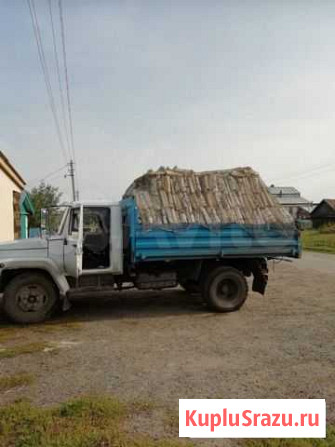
321	262
162	346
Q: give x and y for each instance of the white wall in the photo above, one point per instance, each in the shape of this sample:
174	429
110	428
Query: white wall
7	186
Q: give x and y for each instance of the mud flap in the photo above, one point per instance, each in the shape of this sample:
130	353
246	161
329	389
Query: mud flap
66	305
260	272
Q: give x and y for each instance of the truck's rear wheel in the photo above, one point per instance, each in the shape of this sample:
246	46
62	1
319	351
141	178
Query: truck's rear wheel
29	298
225	289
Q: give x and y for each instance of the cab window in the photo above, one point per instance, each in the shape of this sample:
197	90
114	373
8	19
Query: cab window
74	222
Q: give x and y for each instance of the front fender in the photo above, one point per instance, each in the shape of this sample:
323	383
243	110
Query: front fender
44	264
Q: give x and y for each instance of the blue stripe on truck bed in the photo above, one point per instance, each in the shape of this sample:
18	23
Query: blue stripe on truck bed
197	241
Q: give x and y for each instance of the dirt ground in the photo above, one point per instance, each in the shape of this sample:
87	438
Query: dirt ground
161	346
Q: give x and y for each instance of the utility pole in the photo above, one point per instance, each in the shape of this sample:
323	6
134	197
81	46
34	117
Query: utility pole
71	174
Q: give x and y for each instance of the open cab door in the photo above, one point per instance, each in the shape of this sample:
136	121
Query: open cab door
73	247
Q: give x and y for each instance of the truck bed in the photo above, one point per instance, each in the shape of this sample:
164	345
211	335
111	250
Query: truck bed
147	243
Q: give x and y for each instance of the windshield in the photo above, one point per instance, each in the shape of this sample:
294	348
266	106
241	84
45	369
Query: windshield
53	219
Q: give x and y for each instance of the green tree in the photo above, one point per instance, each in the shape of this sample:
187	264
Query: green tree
43	196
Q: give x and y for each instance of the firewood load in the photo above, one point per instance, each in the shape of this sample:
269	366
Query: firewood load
174	197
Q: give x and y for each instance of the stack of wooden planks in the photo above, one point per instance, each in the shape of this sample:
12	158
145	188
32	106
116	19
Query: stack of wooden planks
178	197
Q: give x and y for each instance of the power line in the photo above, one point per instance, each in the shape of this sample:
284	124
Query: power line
73	161
58	179
67	117
61	18
45	71
45	177
313	172
60	84
308	173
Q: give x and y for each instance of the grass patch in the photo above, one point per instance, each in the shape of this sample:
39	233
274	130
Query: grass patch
330	228
56	326
329	441
29	348
9	382
85	422
171	420
8	333
140	406
98	422
148	442
318	241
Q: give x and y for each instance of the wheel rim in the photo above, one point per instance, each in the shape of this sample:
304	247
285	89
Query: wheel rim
31	298
227	290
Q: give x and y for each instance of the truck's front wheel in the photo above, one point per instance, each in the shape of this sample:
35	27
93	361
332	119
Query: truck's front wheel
29	298
225	289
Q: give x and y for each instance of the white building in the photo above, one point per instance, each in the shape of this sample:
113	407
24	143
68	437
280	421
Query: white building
14	202
291	199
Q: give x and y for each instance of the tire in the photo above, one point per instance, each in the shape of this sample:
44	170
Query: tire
29	298
190	286
225	289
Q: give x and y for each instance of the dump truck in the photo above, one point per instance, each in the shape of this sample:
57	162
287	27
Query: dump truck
207	232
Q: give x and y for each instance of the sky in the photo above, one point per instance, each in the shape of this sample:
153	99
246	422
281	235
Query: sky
195	84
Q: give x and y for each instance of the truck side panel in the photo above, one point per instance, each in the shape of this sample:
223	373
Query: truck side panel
196	241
